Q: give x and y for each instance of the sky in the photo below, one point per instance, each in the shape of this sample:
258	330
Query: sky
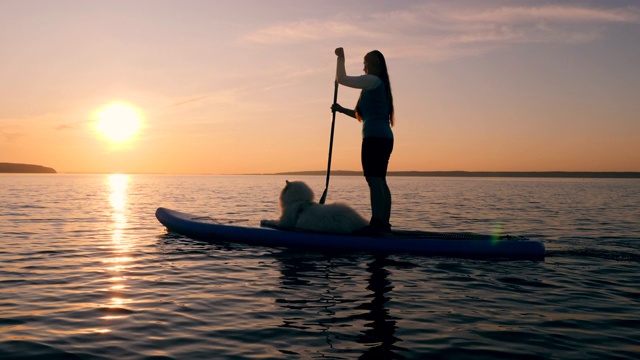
236	87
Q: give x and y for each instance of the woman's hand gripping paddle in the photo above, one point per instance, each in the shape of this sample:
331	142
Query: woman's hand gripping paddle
339	52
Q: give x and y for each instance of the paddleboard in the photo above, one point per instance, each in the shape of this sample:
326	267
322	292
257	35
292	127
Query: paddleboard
398	241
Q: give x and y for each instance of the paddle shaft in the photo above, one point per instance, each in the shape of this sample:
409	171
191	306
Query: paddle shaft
333	126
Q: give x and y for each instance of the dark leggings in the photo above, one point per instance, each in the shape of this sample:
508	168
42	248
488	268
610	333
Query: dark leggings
375	156
375	160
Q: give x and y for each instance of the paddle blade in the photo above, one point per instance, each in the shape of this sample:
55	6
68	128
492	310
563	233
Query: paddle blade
323	198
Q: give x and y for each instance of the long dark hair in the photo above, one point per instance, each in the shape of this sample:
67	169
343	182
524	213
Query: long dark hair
377	66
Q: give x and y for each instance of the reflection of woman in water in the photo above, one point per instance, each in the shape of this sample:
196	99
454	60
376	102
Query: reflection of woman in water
375	110
312	292
383	326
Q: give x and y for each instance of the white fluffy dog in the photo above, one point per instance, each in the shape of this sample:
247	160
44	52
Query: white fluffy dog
299	211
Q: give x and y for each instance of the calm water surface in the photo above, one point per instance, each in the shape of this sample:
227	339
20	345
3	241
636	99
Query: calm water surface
86	272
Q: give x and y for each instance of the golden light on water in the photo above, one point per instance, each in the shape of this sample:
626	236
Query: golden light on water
118	195
118	301
121	248
118	200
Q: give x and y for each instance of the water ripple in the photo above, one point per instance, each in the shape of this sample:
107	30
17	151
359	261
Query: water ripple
86	272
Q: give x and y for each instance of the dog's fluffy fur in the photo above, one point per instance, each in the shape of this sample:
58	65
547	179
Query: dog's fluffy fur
299	211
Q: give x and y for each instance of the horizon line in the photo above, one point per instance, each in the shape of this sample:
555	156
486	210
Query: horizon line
408	173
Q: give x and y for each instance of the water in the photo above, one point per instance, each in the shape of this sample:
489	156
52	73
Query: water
86	272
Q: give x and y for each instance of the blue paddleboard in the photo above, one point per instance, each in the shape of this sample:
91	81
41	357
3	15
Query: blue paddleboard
398	241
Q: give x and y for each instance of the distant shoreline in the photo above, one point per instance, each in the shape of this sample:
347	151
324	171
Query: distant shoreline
509	174
14	168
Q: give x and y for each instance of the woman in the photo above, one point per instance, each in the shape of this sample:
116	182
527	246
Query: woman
375	110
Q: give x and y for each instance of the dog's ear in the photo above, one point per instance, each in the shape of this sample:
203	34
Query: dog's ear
287	181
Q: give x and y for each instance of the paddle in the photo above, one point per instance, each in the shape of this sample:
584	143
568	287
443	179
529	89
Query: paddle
333	125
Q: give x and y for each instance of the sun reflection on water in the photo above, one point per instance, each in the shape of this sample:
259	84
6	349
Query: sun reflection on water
121	248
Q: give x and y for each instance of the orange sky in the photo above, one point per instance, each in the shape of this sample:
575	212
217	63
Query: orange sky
245	86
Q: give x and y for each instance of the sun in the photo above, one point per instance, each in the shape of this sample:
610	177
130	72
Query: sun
118	122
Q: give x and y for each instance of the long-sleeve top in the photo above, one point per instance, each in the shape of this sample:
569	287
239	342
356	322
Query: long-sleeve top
373	106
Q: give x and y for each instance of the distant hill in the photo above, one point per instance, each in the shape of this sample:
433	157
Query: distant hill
25	168
516	174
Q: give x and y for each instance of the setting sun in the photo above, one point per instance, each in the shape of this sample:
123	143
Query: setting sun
118	122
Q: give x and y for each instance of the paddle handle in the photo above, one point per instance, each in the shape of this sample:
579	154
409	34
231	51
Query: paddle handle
333	126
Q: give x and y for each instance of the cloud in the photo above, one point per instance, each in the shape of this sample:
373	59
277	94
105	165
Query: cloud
550	24
553	13
439	31
190	99
304	31
199	100
12	129
11	132
70	125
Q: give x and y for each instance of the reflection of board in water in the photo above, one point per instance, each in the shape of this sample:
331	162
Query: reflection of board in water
429	243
